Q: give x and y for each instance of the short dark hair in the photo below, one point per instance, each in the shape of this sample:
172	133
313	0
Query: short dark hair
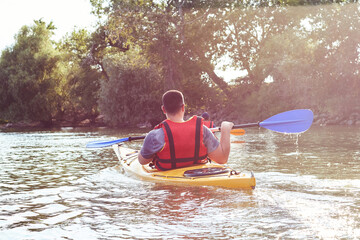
172	101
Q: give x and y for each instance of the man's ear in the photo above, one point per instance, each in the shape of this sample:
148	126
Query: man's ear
163	109
183	108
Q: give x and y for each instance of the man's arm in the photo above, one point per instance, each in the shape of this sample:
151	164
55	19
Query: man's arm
221	153
142	160
153	143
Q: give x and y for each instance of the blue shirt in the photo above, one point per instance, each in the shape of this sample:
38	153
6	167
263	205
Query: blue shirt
155	140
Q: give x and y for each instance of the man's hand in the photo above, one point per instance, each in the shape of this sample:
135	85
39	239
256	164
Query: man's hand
221	154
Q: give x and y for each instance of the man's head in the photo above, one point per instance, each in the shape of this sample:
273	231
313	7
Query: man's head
206	116
173	101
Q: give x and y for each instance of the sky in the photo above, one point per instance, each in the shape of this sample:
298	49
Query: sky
65	14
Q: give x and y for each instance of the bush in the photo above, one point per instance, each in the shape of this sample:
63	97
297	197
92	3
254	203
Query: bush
132	95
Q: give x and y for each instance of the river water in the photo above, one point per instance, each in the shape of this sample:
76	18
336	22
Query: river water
308	187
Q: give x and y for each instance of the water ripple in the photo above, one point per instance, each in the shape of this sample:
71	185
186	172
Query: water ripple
307	188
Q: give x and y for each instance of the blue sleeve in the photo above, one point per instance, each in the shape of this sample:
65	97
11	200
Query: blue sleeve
153	143
209	140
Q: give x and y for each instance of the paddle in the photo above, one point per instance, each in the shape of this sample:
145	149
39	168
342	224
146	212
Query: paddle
236	132
294	121
106	143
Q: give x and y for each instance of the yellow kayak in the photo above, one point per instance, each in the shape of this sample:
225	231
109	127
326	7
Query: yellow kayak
209	174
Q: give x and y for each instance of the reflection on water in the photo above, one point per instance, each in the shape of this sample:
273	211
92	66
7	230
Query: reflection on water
308	187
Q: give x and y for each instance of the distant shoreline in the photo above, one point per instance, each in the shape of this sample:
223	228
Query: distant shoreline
319	120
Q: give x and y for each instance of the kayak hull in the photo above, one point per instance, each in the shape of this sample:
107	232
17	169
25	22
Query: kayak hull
230	179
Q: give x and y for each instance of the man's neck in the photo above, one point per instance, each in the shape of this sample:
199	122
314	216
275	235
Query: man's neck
176	117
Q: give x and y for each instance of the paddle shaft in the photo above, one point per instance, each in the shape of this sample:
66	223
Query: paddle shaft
240	126
142	137
136	138
246	125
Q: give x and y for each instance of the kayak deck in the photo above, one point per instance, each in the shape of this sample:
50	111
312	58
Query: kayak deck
225	177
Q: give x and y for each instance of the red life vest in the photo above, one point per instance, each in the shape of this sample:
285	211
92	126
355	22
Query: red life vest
209	124
183	144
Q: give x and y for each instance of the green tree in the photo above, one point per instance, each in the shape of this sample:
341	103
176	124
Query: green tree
170	34
81	85
314	64
30	75
267	39
337	57
131	95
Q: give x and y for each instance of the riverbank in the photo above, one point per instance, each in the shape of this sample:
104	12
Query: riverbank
319	119
22	125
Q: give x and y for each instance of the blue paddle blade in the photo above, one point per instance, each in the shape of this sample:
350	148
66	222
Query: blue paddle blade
101	144
294	121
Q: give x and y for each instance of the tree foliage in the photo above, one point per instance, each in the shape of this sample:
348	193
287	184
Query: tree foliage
170	34
293	53
29	75
80	90
314	63
125	98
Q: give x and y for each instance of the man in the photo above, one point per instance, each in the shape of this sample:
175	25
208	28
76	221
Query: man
177	143
207	121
